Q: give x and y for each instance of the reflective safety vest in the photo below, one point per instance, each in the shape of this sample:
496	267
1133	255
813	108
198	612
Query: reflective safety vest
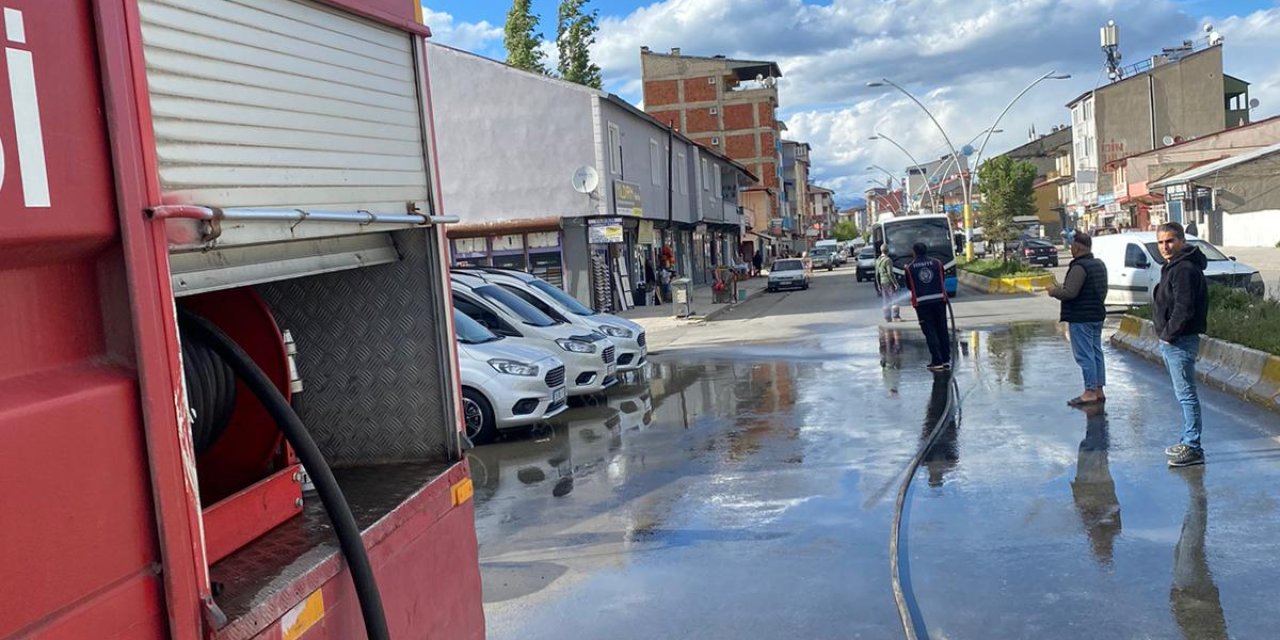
926	279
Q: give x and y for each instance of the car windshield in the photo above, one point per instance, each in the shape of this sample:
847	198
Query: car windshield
565	300
471	332
867	254
788	265
1210	252
821	251
527	312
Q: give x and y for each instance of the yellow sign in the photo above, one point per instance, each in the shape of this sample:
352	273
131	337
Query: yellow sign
462	491
302	617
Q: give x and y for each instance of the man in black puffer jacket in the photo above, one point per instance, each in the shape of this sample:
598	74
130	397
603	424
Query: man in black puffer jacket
1180	311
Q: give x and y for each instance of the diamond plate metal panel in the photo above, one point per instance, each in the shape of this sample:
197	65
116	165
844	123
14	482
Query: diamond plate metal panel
368	355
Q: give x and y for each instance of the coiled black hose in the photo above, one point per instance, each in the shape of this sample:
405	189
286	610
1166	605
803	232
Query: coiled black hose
211	392
198	329
895	535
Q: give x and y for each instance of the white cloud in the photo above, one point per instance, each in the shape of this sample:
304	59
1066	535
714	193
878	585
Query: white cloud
965	60
468	36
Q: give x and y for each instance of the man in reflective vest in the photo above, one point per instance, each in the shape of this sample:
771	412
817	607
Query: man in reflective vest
925	278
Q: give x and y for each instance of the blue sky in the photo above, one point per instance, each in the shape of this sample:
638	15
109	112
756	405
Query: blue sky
964	59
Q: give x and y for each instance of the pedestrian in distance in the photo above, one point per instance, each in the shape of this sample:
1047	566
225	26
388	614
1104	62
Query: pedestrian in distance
887	286
757	262
1180	312
1191	229
929	297
1083	294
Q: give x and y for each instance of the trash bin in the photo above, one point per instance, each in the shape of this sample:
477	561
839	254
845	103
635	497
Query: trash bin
640	295
682	297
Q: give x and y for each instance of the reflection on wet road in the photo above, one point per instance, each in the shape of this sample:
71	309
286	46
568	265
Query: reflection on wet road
746	493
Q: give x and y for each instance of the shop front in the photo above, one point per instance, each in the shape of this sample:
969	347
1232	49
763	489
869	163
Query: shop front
539	252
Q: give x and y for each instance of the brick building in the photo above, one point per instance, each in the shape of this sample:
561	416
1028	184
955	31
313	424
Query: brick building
725	104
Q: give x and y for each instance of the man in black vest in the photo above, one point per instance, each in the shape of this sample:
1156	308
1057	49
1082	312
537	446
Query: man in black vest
925	278
1083	294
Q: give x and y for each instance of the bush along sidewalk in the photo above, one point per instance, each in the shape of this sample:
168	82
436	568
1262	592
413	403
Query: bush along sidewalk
1000	268
1235	316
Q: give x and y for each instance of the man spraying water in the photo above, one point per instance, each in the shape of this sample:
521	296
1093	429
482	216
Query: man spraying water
929	297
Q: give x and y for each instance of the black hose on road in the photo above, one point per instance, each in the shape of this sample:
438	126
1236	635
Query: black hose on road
194	327
895	535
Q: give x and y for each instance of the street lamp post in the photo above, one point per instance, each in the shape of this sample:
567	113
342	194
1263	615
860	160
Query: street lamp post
955	155
967	185
933	196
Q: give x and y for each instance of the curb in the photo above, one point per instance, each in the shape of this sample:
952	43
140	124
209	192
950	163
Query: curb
1020	284
1248	373
718	312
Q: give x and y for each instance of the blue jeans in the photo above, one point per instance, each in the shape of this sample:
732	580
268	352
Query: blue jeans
1086	346
1180	358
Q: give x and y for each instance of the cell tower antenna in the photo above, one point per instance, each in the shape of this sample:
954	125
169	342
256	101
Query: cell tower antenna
1111	47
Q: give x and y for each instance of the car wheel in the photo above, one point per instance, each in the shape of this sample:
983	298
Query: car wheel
771	290
805	286
477	416
829	267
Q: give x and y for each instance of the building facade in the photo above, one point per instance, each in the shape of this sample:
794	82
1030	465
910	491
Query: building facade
1178	95
822	203
1050	153
795	195
576	185
725	104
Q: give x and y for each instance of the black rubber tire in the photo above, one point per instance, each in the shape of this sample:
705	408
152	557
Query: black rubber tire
805	287
487	429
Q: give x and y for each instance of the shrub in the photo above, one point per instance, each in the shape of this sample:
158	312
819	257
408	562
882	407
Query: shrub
1236	316
1001	269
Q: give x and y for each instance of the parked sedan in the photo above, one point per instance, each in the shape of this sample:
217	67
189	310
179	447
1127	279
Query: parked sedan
788	273
1036	252
504	384
866	269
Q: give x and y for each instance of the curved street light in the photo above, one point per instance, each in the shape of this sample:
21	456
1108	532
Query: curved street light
933	195
955	155
888	187
967	185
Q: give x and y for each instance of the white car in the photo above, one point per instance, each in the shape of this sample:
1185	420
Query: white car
553	301
504	385
866	266
589	357
788	273
1133	267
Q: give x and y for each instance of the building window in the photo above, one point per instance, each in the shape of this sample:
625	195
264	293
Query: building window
715	182
683	177
615	149
706	176
655	162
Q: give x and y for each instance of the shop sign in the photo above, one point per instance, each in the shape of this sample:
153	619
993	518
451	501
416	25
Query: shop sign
644	234
1176	192
626	199
605	231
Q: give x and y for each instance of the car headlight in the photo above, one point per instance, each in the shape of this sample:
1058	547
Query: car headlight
1256	284
513	367
615	332
576	346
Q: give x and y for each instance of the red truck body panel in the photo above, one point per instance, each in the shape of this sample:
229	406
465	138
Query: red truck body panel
102	533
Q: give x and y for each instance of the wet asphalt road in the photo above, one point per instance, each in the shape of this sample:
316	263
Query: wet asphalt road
747	490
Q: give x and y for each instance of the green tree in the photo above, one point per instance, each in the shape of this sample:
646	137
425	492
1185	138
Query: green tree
521	38
575	33
1007	188
845	230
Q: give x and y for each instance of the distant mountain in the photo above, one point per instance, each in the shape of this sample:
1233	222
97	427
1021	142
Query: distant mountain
847	202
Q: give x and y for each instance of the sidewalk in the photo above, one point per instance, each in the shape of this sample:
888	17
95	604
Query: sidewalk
658	318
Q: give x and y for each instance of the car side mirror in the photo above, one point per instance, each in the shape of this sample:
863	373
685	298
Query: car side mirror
1231	258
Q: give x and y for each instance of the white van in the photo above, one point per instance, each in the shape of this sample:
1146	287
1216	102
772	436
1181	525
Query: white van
504	384
1133	267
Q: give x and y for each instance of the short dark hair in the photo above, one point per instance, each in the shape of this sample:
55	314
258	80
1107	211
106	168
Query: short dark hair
1083	239
1174	228
919	249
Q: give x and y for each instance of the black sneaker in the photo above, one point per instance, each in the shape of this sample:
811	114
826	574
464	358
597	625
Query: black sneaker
1176	450
1187	458
936	367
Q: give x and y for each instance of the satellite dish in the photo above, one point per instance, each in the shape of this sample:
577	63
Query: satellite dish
586	179
769	82
1167	140
759	77
1254	102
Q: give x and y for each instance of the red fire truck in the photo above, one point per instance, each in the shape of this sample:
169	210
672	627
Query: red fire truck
228	383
